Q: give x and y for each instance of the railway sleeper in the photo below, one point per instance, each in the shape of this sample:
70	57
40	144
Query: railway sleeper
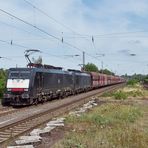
8	130
19	129
30	125
4	133
6	136
21	126
34	122
3	139
15	133
15	129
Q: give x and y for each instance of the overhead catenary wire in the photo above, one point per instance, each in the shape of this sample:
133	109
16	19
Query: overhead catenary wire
51	18
109	34
18	28
45	53
51	34
29	24
99	36
24	47
13	44
55	20
120	33
77	35
43	31
81	35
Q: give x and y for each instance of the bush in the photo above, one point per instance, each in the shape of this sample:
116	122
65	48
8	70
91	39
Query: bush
135	93
120	95
132	82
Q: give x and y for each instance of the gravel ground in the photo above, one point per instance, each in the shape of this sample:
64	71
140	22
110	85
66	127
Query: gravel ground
49	141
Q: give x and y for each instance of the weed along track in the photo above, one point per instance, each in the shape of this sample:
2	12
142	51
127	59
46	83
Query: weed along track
28	120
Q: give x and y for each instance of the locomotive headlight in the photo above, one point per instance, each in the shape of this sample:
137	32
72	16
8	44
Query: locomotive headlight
26	89
8	89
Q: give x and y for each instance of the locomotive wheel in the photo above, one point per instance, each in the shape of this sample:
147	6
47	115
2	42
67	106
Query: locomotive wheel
5	103
36	101
66	94
61	96
44	99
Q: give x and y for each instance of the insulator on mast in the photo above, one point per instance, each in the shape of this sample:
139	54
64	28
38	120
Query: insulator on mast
11	42
62	40
92	39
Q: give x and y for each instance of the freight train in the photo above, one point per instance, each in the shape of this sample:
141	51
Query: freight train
40	83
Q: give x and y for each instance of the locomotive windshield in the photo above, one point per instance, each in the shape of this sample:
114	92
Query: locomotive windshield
19	74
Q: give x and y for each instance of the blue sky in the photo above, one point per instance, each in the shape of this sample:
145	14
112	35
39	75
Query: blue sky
119	29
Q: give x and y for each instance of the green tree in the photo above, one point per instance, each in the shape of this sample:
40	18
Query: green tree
90	67
106	71
3	74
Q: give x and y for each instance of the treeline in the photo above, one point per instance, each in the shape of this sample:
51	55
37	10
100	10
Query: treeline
136	78
90	67
3	74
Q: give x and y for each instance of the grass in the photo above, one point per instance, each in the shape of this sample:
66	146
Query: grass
112	125
128	92
109	125
108	114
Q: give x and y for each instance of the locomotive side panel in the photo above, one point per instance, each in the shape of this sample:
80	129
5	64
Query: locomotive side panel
53	84
68	84
82	81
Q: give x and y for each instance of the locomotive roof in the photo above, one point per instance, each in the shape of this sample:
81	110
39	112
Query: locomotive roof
48	70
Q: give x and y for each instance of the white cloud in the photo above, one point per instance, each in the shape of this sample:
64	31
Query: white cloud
104	17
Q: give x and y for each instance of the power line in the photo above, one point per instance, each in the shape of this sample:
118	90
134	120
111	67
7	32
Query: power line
81	36
18	45
43	31
58	22
67	27
18	28
27	23
13	44
106	34
120	33
114	33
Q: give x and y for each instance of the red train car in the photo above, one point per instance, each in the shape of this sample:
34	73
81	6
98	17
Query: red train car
99	79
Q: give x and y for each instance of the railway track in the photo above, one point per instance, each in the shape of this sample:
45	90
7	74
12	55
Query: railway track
15	128
7	110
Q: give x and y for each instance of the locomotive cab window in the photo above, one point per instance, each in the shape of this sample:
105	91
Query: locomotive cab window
19	75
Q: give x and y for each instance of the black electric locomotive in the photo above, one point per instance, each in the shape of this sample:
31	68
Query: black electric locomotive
26	86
